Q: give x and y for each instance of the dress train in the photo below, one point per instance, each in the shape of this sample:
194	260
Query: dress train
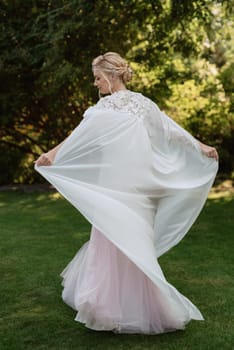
111	293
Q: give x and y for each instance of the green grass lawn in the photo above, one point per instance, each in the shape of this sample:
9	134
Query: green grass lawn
40	233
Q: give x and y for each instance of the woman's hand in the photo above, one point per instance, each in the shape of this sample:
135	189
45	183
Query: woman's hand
209	151
48	158
44	159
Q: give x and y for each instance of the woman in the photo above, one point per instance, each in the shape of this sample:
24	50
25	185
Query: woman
141	181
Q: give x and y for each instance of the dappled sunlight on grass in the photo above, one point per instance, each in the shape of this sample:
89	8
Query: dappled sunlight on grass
55	196
224	190
30	313
228	195
214	282
44	196
79	234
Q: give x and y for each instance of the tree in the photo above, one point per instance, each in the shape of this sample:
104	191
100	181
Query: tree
46	49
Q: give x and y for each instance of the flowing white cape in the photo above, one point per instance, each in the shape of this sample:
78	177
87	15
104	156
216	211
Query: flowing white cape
138	177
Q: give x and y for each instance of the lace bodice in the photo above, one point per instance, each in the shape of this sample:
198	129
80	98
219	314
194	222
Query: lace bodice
158	124
126	101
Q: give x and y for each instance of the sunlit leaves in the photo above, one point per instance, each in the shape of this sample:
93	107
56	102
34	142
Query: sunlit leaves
181	52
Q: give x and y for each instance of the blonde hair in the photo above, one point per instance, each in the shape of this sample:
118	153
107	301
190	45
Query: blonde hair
113	63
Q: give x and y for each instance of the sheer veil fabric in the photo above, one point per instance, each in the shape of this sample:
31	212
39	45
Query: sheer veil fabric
141	181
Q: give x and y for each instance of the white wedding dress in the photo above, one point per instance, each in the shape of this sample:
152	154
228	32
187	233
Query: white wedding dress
141	181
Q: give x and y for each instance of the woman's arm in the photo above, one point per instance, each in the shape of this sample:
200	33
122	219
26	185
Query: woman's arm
48	158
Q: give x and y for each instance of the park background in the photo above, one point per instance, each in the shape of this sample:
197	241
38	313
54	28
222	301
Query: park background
182	56
181	53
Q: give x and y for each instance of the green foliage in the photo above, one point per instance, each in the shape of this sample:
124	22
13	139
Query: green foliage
46	49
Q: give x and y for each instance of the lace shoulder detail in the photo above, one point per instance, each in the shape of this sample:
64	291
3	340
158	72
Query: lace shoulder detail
126	101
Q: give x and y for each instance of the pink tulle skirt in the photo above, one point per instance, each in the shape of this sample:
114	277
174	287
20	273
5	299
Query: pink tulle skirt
111	293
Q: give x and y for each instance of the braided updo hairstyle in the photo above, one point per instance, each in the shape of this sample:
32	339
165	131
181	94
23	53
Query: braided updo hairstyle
113	63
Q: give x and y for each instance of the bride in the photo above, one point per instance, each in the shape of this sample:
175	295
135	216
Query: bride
141	180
